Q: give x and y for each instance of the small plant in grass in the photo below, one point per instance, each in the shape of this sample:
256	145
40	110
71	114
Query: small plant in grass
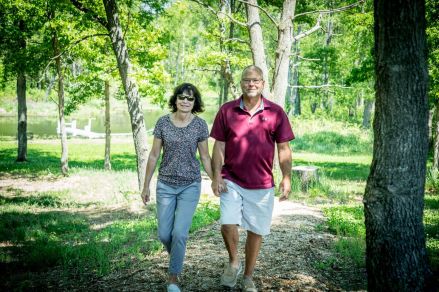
353	248
207	213
432	180
347	222
326	263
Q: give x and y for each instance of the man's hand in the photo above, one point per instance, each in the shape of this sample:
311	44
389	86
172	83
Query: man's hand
218	187
285	188
145	196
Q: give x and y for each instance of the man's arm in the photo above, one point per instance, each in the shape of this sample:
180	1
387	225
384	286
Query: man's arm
285	161
218	153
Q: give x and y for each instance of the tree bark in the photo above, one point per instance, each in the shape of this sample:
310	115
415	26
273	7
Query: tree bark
64	147
436	138
257	42
22	117
21	99
131	92
293	93
283	52
394	198
107	161
328	99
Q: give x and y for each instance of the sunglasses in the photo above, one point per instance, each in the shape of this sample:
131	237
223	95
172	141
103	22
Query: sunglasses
183	97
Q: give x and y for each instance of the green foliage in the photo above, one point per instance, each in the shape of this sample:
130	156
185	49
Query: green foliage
432	180
324	136
432	16
206	214
346	220
331	142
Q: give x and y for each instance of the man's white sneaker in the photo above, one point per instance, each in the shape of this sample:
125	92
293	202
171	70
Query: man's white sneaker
230	275
248	285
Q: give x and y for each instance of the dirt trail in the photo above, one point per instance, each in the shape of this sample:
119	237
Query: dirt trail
288	260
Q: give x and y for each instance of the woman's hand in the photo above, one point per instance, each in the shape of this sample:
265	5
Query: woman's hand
145	196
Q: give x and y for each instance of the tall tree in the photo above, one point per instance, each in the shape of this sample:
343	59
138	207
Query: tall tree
107	160
283	52
393	202
60	74
20	22
21	94
112	24
257	41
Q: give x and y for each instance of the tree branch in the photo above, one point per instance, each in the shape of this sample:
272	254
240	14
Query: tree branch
216	13
236	40
263	10
319	86
204	70
331	10
93	14
310	31
68	48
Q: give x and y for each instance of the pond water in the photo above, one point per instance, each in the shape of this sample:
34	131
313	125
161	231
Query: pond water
120	123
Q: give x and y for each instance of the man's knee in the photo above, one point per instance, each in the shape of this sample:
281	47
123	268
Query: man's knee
253	237
229	228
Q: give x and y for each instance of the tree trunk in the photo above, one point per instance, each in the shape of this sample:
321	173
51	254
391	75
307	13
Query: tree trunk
293	92
22	117
328	99
257	42
107	161
177	67
283	52
394	198
367	113
130	87
21	99
221	94
64	147
436	138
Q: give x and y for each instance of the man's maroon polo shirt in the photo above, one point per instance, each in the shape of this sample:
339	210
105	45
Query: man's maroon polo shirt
250	142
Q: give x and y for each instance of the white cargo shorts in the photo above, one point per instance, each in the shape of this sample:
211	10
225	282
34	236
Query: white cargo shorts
250	208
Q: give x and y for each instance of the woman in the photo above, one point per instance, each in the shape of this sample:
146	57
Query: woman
180	134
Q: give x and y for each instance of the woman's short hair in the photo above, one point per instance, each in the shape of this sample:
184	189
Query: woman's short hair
189	88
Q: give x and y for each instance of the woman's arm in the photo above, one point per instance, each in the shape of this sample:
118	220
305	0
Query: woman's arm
153	157
203	149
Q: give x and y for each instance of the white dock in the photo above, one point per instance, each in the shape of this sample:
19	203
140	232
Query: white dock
72	130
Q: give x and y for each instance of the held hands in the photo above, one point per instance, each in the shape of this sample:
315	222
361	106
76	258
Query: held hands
285	188
218	187
145	196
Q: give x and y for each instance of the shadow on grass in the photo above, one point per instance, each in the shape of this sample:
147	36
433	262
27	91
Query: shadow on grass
43	163
37	242
41	200
340	170
331	143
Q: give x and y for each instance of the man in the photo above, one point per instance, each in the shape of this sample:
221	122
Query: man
246	131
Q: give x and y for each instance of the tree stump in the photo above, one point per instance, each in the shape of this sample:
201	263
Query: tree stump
307	175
